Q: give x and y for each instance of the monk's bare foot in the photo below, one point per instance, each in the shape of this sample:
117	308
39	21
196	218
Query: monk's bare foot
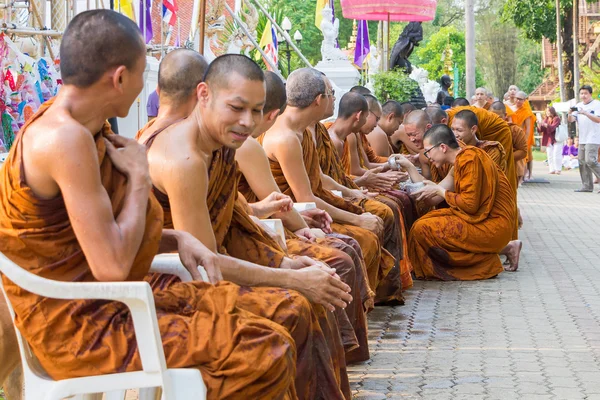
513	253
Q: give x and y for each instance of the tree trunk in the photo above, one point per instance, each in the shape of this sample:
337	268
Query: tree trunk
568	51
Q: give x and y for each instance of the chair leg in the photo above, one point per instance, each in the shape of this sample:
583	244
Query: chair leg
115	395
150	394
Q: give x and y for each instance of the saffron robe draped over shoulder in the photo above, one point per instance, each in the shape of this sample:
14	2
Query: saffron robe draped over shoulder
519	143
240	353
321	365
462	242
520	116
377	260
492	127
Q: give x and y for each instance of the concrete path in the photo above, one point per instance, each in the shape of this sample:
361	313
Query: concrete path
528	335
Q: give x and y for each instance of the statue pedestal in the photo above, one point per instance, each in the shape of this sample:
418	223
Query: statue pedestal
341	72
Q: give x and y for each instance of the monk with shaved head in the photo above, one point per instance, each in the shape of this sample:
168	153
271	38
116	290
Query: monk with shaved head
193	170
524	118
295	165
391	119
92	218
461	242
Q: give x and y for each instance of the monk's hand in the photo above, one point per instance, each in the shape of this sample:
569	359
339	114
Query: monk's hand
371	223
274	203
358	194
193	253
306	234
316	218
375	180
129	157
430	191
320	284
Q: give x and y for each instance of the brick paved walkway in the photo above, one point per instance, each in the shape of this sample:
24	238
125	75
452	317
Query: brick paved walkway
532	334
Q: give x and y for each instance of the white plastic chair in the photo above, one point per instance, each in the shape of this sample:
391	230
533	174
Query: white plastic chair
176	383
304	206
338	193
276	226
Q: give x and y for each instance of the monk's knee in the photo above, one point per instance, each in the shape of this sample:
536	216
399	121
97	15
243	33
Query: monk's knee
344	267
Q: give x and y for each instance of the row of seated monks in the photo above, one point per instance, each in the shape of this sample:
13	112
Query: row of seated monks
231	146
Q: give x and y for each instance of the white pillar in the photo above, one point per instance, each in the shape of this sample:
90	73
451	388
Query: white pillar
576	48
470	47
559	52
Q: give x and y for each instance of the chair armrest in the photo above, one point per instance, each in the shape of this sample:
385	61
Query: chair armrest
304	206
170	263
276	226
137	296
338	193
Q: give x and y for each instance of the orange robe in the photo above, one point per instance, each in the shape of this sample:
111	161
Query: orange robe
321	365
241	354
519	143
520	116
462	242
395	232
377	260
492	127
495	151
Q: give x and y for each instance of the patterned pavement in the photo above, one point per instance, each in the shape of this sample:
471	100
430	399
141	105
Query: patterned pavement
532	334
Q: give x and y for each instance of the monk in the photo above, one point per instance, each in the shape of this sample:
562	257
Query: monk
395	214
524	118
91	218
194	174
491	127
295	165
461	242
518	138
391	119
257	183
399	140
460	102
510	97
11	372
481	98
465	127
437	115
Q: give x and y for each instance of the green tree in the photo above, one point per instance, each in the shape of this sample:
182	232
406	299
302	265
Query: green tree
429	55
529	66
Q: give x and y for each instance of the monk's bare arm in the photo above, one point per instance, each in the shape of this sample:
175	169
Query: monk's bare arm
288	151
254	164
186	184
355	168
379	143
70	159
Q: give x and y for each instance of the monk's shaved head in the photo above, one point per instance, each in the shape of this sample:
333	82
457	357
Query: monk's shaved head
303	86
460	102
441	133
360	90
392	107
179	74
407	107
436	114
276	97
419	118
352	103
498	106
373	103
468	116
224	67
521	94
95	42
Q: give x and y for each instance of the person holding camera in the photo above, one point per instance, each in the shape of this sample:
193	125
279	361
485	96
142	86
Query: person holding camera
587	115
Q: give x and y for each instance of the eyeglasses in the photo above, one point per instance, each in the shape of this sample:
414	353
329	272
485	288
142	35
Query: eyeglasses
518	99
330	93
376	117
426	152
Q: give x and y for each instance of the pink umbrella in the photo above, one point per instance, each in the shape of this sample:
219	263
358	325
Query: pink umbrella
389	10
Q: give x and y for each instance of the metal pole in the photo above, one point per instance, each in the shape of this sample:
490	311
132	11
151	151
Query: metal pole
283	33
385	57
470	47
289	57
576	49
559	51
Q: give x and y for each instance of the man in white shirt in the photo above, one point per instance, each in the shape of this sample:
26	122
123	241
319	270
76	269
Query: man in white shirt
588	119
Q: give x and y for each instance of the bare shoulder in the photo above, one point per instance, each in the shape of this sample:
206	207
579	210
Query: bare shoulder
352	139
250	149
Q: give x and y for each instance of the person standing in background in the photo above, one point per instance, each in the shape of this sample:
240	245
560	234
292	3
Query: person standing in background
152	105
553	148
587	115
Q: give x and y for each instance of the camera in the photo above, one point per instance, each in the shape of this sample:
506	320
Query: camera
574	109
